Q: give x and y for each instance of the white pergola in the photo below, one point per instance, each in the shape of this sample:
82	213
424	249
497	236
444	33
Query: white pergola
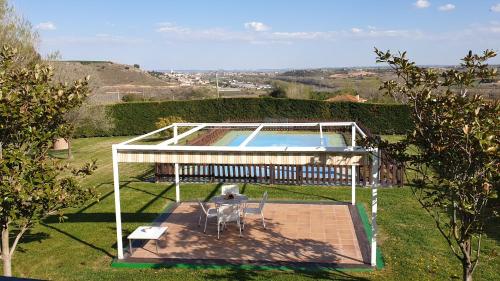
170	152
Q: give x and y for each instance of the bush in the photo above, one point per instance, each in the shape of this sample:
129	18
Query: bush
91	121
133	98
321	95
140	117
167	121
278	93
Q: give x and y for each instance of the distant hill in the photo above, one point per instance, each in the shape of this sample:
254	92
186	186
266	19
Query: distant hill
111	81
110	74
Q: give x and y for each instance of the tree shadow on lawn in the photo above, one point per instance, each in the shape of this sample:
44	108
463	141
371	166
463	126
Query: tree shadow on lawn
122	185
492	229
245	274
78	240
106	217
29	237
147	175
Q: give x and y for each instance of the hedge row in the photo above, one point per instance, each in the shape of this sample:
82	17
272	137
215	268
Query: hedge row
138	118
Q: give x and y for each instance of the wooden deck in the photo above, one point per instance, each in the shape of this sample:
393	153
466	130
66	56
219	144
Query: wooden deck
296	233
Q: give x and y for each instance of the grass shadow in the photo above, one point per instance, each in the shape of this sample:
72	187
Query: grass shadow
214	191
156	198
315	274
78	240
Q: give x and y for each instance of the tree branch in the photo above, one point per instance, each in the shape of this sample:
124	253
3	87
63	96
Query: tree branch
478	252
18	237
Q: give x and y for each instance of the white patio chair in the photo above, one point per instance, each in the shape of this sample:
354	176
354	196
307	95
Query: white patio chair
256	211
208	212
225	214
230	188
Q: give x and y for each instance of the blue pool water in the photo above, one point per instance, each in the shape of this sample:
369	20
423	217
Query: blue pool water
269	138
276	138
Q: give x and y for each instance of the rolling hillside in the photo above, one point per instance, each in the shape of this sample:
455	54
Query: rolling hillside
111	81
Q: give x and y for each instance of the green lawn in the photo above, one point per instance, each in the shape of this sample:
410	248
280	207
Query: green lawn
83	247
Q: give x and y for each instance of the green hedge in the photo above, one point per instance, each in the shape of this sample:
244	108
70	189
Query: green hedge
140	117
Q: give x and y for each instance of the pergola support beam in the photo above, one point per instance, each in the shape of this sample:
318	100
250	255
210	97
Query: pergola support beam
353	167
321	140
374	178
176	168
118	213
251	136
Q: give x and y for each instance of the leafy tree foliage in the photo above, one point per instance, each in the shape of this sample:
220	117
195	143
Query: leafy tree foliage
32	114
278	92
169	120
453	150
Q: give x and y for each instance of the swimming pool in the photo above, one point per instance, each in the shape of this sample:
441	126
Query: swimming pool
284	138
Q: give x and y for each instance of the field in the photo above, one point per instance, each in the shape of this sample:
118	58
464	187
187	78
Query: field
82	247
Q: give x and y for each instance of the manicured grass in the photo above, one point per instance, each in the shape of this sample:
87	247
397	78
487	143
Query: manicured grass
83	247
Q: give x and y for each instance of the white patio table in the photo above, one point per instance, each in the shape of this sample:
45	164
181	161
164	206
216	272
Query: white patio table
237	200
147	233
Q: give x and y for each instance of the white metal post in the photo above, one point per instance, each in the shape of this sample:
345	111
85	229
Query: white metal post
375	176
353	167
118	214
321	135
176	165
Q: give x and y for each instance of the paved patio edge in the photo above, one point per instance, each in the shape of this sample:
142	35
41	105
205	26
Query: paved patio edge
222	264
368	231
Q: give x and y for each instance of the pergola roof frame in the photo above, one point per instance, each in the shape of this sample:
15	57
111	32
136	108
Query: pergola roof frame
170	145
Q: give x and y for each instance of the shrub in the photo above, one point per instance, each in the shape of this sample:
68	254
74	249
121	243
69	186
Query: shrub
167	121
278	93
133	98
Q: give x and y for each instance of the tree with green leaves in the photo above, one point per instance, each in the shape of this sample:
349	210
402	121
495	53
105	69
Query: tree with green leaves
452	153
278	92
32	184
167	121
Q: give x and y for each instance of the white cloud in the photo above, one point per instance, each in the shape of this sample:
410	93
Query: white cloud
495	8
386	33
422	4
490	28
48	25
447	7
169	27
176	32
256	26
303	35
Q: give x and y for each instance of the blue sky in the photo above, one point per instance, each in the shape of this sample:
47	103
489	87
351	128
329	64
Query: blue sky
262	34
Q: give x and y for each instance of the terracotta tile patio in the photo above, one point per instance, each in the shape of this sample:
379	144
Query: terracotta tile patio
296	233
